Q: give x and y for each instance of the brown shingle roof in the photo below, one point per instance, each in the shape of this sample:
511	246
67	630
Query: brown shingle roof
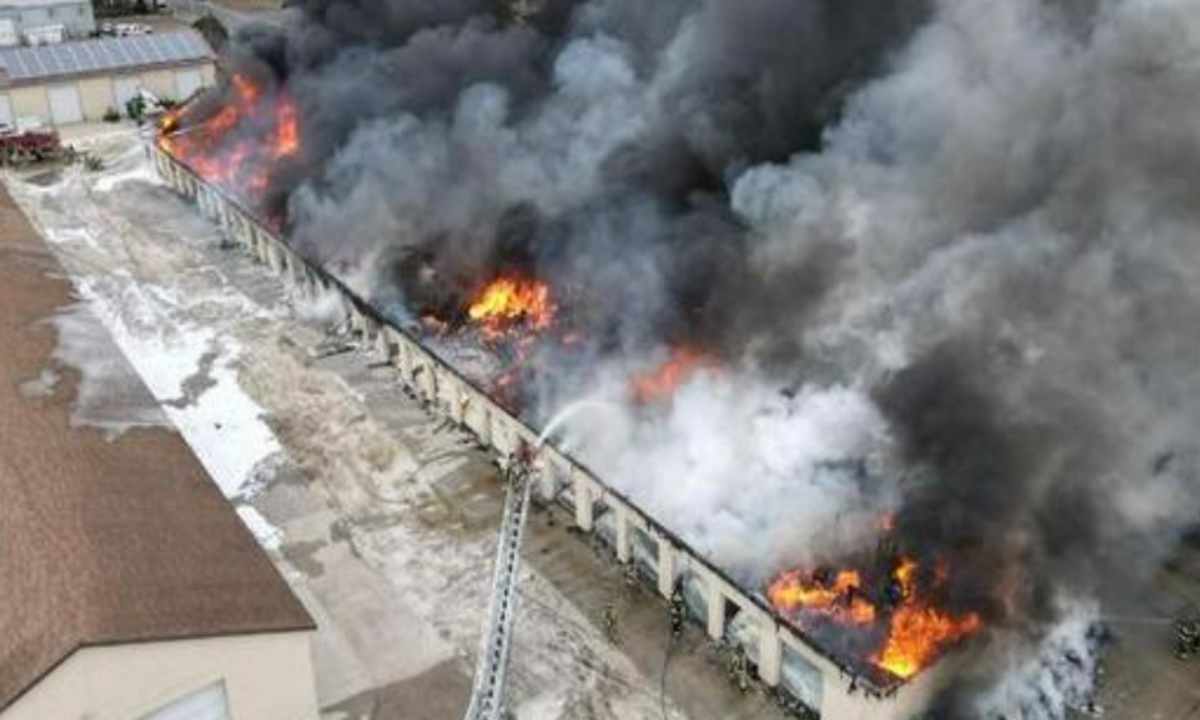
104	543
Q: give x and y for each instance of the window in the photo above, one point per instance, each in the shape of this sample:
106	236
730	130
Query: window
802	679
209	703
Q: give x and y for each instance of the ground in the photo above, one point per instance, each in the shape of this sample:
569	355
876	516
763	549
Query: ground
380	515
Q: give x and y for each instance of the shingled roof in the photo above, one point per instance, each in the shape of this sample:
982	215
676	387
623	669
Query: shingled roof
105	543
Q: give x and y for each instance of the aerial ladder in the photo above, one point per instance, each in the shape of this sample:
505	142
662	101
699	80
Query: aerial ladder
491	671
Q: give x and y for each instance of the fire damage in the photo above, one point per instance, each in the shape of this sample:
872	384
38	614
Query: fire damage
884	620
535	279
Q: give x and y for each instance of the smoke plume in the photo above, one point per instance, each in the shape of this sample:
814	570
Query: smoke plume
944	251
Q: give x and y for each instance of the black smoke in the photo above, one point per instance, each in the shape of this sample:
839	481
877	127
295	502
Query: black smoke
974	222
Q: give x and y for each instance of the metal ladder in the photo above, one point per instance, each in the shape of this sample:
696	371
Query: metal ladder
491	673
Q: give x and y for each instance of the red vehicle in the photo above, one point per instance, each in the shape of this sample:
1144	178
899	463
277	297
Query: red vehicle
18	148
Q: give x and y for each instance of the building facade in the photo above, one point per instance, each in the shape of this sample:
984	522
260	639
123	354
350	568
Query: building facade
86	80
238	677
27	17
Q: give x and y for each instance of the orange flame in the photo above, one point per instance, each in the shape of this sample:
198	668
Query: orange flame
243	163
842	600
663	382
512	302
918	635
287	130
917	632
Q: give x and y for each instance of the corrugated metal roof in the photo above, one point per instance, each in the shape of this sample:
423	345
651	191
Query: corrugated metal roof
86	57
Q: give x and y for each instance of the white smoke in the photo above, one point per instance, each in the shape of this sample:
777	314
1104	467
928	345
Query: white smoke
751	477
1052	680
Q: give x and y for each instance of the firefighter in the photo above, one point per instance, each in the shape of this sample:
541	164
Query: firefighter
1187	637
678	614
631	576
611	627
739	670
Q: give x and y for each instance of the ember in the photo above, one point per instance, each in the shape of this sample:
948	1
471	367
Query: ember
511	305
914	631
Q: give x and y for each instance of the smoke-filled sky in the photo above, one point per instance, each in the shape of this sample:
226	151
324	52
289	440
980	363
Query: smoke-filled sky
946	251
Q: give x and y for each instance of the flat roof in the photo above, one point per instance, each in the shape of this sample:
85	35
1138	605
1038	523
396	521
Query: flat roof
105	543
31	64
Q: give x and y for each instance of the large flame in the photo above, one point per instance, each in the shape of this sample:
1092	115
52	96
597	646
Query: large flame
842	599
239	147
918	635
663	382
512	304
914	631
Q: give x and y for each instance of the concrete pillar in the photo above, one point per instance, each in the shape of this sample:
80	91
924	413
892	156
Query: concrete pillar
403	360
383	342
260	246
716	610
666	568
624	552
458	404
770	654
274	258
585	514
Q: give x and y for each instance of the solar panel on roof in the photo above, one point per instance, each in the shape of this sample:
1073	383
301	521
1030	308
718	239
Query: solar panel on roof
101	55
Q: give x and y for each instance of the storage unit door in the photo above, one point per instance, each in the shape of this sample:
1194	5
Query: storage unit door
65	106
125	90
6	114
188	82
207	704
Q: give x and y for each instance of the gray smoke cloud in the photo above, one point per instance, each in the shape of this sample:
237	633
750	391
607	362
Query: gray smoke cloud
945	251
1018	236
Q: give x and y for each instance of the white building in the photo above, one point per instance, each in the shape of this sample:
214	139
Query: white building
82	81
25	18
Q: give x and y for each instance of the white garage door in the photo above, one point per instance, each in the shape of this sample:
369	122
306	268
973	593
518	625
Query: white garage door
6	116
188	82
65	107
207	704
125	90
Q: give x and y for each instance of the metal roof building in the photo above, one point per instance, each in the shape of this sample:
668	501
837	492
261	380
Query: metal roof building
82	81
26	19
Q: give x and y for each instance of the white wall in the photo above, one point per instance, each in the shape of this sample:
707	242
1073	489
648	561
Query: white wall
266	677
75	15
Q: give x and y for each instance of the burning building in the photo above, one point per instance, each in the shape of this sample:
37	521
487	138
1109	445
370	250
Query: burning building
894	366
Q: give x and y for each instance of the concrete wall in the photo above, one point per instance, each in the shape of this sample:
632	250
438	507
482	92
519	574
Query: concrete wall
841	696
30	102
266	677
98	94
